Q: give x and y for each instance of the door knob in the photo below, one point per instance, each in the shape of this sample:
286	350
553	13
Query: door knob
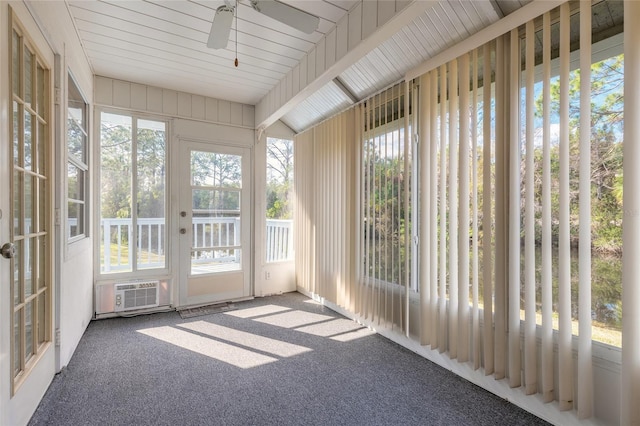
183	230
8	251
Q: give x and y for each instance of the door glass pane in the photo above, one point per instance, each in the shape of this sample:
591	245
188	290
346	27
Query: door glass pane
215	212
16	134
15	60
17	277
42	312
41	147
41	272
28	62
28	267
28	328
17	325
18	177
151	142
217	170
40	95
28	201
27	140
42	217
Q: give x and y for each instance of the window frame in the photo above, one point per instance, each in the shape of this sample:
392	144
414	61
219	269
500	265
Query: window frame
83	166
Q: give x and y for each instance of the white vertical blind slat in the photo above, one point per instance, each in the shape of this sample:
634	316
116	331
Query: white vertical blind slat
463	213
453	208
501	216
585	368
425	221
433	198
405	192
474	209
442	336
487	196
564	250
530	352
514	213
546	272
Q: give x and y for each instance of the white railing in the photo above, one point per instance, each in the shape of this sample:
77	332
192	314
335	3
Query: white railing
220	233
279	240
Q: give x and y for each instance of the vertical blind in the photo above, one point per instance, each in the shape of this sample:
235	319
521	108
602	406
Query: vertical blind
491	284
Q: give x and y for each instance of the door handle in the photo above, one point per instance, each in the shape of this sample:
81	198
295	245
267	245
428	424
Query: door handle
8	251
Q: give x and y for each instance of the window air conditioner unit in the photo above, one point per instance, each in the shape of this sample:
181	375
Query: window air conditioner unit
135	295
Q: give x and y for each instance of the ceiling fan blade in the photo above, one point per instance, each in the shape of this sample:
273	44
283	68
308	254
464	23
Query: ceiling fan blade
289	15
220	28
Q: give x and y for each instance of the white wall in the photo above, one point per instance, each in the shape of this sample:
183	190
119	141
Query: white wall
75	261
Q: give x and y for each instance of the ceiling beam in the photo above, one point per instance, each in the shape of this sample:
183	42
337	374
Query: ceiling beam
267	113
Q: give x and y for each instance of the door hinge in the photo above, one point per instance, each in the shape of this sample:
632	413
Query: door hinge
57	217
57	337
57	96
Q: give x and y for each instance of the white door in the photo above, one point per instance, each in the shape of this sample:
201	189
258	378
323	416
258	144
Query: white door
27	299
214	223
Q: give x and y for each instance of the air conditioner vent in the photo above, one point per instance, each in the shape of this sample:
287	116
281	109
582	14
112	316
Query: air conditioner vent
136	295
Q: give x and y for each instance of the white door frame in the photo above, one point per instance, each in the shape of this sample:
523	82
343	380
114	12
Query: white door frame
19	400
233	285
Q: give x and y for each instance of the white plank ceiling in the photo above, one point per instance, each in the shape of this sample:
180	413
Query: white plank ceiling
163	43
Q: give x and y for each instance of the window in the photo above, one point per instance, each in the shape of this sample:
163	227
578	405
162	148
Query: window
132	197
279	232
77	169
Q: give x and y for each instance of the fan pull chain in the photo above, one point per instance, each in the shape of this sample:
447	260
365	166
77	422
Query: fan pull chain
236	61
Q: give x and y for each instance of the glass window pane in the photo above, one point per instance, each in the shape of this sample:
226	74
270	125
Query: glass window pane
73	213
279	196
27	140
115	191
75	179
75	139
28	76
215	202
15	61
151	180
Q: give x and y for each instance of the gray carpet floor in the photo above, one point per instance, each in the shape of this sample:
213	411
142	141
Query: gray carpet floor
280	360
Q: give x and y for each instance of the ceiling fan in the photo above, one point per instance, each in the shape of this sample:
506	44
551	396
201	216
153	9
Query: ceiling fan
282	12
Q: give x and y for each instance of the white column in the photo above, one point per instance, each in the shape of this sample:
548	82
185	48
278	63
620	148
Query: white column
630	371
